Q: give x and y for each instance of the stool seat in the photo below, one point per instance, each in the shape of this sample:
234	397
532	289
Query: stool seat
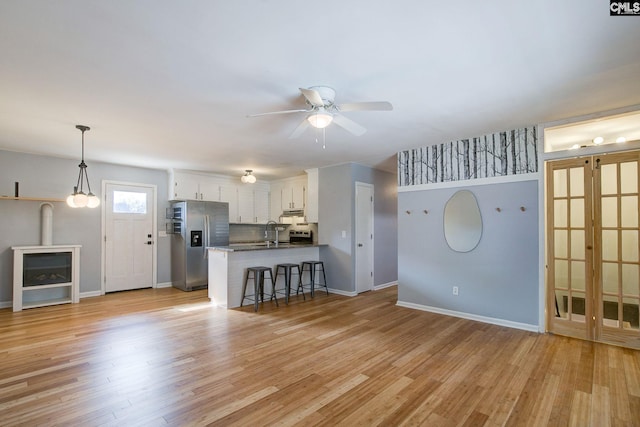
258	285
288	268
313	267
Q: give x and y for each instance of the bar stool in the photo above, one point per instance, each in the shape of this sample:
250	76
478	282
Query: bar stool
288	269
312	269
258	285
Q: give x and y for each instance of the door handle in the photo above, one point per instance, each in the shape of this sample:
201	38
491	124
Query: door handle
149	242
359	245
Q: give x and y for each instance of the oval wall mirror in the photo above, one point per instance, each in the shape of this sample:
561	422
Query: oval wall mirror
462	222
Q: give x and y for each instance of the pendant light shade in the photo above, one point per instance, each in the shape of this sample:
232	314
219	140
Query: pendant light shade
78	199
248	177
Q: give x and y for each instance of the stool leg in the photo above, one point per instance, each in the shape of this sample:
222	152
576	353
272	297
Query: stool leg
312	270
301	270
256	290
300	283
244	288
324	277
287	284
273	287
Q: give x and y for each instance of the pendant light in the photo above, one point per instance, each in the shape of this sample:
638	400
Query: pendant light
78	199
248	177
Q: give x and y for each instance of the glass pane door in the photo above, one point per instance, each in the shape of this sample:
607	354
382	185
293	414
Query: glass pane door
617	229
570	296
593	248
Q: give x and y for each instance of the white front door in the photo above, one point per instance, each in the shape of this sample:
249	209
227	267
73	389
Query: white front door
129	237
364	237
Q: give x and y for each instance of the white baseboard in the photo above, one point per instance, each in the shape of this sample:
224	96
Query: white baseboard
340	292
353	293
469	316
6	304
385	285
90	294
164	285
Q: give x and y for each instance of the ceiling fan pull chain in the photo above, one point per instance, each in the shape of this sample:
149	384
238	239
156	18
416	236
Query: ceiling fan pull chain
324	139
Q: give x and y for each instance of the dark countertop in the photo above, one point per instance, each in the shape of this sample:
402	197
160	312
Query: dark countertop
262	246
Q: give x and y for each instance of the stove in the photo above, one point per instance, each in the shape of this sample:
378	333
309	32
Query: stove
299	237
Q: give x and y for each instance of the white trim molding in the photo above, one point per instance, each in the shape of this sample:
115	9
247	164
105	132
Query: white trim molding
338	292
533	176
164	285
91	294
384	285
469	316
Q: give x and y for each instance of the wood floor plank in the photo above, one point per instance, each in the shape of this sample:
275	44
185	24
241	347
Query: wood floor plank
165	357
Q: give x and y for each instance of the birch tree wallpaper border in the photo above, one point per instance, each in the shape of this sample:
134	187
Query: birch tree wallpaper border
498	154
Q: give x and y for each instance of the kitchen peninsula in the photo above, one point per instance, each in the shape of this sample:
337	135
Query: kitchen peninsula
227	266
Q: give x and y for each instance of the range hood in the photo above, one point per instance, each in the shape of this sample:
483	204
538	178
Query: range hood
292	212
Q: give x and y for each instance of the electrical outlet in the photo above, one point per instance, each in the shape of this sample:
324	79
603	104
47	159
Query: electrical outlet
455	290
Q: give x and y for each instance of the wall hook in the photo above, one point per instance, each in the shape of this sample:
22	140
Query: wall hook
499	210
426	212
408	212
522	208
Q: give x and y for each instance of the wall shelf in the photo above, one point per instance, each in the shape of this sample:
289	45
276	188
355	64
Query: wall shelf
32	199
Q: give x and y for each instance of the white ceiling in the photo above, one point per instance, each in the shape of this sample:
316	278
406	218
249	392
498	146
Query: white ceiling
165	83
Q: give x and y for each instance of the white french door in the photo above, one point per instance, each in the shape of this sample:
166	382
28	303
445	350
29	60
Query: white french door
593	248
129	238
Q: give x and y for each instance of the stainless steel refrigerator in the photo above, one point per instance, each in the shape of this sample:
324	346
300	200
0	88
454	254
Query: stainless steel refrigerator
194	227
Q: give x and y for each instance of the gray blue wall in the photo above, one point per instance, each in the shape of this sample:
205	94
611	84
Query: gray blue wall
336	200
498	279
50	177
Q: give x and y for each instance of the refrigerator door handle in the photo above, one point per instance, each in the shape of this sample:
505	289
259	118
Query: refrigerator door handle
206	236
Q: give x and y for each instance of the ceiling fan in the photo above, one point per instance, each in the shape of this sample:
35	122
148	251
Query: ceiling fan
322	111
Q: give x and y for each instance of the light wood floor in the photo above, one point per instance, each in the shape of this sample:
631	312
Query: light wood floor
165	357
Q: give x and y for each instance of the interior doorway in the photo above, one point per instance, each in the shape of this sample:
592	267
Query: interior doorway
593	247
128	236
364	237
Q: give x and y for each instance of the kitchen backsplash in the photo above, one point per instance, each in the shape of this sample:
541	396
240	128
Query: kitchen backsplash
244	233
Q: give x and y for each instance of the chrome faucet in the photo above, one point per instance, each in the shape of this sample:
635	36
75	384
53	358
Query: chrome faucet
266	232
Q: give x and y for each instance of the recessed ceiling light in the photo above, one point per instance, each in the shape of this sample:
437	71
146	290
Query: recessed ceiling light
621	139
598	140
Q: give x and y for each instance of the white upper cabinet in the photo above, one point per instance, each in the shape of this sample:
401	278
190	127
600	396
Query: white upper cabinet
229	194
276	201
261	206
311	207
293	193
246	205
184	186
193	186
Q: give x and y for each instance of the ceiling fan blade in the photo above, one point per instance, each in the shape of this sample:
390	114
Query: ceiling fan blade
313	96
300	129
365	106
348	124
278	112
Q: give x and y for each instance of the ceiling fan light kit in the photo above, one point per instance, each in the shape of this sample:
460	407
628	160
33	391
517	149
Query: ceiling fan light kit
323	111
320	120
